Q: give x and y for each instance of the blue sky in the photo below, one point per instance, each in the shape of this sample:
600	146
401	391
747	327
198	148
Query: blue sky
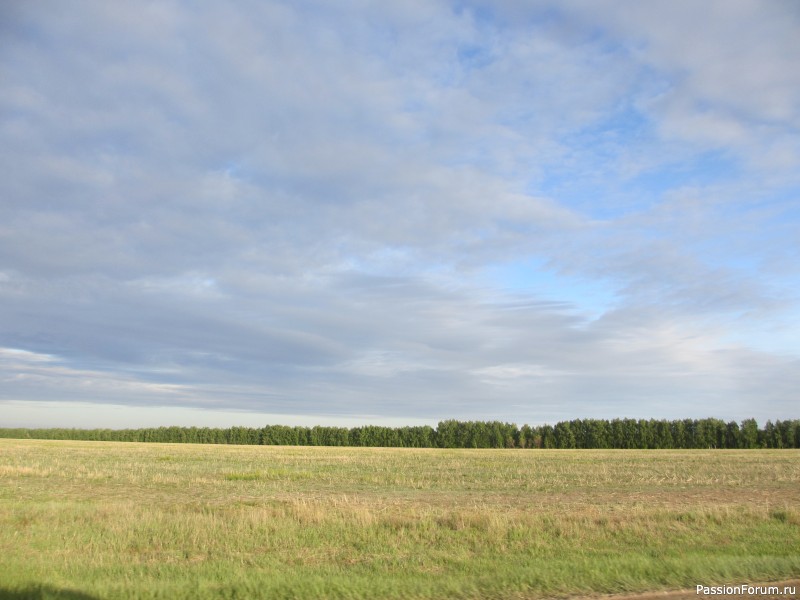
265	212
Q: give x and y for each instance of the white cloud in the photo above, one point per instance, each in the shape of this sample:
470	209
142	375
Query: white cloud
729	68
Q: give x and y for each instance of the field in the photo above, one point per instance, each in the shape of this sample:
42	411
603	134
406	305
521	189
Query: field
83	520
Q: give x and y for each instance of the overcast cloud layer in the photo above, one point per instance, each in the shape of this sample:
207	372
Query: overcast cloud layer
398	212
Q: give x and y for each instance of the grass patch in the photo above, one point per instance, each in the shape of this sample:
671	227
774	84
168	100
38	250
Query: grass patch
116	520
249	476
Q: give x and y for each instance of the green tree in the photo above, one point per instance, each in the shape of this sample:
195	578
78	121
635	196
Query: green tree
748	434
565	438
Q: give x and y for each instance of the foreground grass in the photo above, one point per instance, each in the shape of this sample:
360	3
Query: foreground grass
115	520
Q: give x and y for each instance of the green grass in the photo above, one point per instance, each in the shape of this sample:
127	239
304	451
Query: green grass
113	520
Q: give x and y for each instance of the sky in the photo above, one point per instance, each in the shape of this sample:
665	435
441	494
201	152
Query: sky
257	212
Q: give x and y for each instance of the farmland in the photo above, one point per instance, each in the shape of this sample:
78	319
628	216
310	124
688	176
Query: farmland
133	520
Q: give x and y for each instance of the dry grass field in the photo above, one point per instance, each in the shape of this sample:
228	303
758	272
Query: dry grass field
84	520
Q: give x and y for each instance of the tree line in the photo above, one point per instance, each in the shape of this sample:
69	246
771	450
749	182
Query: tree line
578	433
